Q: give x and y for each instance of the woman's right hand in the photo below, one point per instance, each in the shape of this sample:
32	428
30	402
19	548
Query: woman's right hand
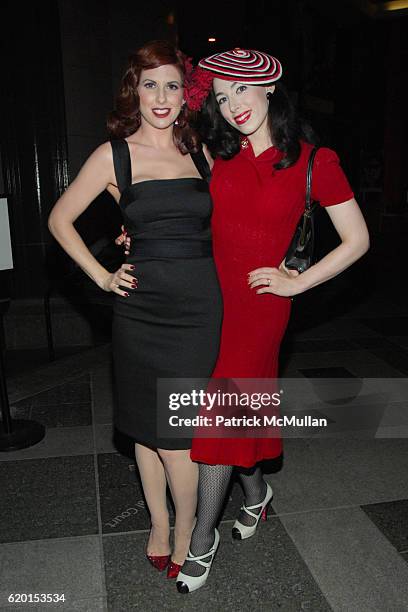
120	277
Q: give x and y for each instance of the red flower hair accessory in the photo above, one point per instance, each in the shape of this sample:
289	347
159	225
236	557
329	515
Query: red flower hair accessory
197	86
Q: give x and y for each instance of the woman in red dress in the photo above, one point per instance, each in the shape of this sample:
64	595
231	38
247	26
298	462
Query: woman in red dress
258	190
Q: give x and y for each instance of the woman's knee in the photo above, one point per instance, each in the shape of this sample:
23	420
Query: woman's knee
174	456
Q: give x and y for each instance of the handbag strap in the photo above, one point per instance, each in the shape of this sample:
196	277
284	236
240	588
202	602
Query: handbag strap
308	206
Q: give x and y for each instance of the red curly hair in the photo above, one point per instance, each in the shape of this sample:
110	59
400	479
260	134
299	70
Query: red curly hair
125	119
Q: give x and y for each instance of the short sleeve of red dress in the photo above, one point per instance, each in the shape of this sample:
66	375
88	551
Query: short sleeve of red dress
329	183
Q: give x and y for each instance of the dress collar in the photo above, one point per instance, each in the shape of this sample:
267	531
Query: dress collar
270	154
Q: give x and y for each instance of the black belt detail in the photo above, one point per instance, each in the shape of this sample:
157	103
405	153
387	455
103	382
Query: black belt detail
171	248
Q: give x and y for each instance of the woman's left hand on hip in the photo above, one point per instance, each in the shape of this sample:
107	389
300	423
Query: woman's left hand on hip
280	281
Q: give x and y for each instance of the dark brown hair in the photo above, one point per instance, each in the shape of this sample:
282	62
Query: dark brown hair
125	119
286	127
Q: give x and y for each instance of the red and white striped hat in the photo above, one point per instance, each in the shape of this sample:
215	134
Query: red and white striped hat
243	65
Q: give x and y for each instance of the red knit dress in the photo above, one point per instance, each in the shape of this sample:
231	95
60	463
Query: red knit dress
256	210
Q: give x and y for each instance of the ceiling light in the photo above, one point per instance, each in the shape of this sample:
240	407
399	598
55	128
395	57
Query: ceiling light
395	5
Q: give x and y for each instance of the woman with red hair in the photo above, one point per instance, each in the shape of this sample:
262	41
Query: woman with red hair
164	325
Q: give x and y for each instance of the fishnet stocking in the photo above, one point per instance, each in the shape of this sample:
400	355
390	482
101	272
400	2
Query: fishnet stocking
254	490
212	487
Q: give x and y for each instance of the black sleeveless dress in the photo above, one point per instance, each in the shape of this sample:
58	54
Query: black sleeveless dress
169	327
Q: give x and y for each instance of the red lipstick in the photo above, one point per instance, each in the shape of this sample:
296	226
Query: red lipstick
243	117
161	113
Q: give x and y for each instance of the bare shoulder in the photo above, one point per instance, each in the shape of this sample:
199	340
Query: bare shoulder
97	170
103	154
100	162
208	156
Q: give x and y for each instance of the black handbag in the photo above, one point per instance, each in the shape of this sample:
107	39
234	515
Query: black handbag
301	252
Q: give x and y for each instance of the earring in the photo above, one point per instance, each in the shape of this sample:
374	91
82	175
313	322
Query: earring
269	95
182	109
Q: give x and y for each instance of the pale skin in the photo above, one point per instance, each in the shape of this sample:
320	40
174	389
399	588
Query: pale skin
237	99
154	156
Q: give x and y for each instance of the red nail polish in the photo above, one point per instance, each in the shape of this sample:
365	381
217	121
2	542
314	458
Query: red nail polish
126	294
132	267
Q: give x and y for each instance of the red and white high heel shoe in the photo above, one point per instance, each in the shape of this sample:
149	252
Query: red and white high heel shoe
186	583
242	532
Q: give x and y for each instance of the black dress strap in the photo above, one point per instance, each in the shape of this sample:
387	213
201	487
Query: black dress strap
202	165
121	163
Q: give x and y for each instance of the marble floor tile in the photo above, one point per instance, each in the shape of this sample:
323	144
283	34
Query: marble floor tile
326	372
395	357
361	363
376	305
387	326
375	342
401	341
335	329
104	438
47	498
58	442
19	361
354	565
391	518
59	415
75	391
62	370
88	604
121	497
69	566
102	394
394	421
292	345
327	473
